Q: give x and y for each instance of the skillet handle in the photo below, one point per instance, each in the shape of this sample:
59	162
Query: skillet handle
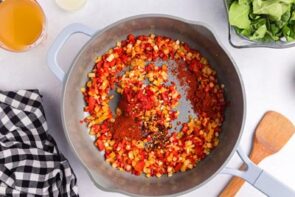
59	42
260	179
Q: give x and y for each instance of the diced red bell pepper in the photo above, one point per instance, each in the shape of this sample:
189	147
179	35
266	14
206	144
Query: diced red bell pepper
100	145
99	64
91	103
139	166
177	168
131	38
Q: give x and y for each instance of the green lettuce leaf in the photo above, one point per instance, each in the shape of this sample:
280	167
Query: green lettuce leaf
246	32
274	29
274	8
238	14
292	18
289	33
258	23
259	33
272	36
284	19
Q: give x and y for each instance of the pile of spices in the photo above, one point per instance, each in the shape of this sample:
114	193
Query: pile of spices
138	137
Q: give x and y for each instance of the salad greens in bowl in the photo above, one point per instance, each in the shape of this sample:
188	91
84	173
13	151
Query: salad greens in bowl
261	23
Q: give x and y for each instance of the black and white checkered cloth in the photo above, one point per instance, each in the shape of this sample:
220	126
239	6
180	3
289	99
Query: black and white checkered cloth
30	163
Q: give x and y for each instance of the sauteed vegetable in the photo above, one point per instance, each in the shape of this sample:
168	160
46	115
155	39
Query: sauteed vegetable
139	136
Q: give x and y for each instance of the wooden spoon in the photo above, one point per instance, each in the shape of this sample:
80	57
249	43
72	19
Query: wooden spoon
272	133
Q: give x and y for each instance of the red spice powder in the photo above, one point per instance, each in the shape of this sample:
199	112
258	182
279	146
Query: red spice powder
125	125
204	100
187	79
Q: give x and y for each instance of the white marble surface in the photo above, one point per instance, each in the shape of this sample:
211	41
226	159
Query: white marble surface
269	77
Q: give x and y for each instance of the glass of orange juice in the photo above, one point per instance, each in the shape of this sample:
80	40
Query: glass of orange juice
22	24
